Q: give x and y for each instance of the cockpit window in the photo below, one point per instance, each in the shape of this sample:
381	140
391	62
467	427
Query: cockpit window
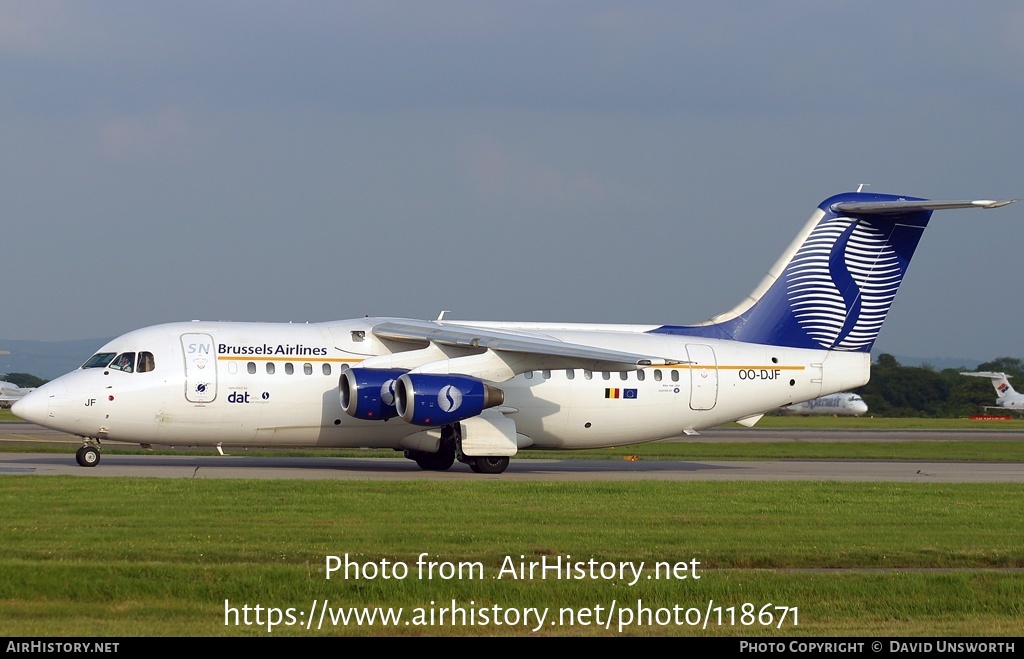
124	362
99	360
146	362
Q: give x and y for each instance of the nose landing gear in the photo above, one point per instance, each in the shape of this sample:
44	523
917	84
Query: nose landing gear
88	455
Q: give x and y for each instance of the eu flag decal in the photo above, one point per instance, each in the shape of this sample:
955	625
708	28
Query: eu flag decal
615	392
629	393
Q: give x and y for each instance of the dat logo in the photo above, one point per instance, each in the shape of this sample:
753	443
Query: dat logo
243	397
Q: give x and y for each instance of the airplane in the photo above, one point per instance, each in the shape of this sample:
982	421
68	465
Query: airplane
478	392
1007	397
843	403
10	392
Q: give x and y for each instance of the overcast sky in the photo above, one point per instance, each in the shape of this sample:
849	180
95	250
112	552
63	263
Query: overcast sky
638	162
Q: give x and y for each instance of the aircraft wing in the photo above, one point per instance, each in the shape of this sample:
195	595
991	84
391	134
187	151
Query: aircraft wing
495	354
1003	408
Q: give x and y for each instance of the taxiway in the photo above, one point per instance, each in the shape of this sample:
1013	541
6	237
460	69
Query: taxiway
345	468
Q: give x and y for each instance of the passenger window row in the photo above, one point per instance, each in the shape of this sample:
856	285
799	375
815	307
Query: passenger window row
570	374
289	368
144	362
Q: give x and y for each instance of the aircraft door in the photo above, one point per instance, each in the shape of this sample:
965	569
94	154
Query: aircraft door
703	376
200	368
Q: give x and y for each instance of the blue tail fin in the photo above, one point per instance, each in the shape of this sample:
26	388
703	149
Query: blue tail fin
834	285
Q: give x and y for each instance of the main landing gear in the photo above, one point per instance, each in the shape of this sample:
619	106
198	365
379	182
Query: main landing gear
447	452
88	455
488	464
440	461
443	459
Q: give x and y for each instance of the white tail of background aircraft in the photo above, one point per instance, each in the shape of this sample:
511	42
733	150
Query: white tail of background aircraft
478	392
1006	396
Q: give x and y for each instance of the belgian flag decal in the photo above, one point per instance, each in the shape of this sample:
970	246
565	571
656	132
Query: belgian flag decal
614	392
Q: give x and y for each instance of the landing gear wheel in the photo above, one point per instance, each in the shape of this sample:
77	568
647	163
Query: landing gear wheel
440	461
489	464
88	456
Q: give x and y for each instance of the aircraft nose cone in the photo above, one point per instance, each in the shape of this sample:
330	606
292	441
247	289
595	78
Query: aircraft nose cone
33	407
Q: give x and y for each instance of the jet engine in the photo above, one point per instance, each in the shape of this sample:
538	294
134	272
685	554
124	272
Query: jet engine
435	400
369	393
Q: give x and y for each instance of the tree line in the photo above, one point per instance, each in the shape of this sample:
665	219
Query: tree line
902	391
23	380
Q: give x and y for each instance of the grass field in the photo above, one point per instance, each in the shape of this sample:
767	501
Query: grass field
96	556
169	557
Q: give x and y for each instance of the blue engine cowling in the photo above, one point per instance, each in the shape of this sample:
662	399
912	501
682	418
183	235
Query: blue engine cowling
369	393
423	399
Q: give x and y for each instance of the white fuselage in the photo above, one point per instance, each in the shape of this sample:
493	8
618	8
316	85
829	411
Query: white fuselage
840	404
1012	402
276	384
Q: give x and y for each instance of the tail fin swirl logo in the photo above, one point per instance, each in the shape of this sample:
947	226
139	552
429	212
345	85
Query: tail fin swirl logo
841	283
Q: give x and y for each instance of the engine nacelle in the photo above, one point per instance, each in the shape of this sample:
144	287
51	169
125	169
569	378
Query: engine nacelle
369	393
423	399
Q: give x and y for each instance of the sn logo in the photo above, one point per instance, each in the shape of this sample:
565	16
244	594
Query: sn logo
449	398
387	392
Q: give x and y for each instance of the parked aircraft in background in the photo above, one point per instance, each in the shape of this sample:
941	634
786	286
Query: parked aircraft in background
478	392
10	392
1006	397
841	404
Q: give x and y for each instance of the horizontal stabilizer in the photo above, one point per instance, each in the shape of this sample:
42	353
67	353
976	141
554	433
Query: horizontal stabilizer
1001	383
906	206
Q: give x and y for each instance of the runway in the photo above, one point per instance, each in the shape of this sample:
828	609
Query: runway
242	466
